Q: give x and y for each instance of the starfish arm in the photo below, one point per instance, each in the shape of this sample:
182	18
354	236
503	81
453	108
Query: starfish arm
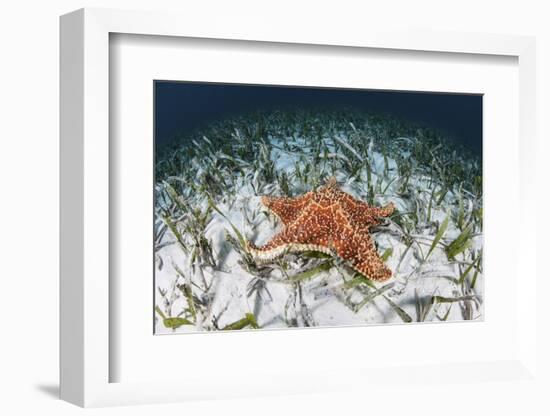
363	214
310	231
385	211
370	216
282	239
359	250
283	243
286	209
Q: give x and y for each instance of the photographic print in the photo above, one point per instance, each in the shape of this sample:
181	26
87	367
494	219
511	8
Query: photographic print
290	207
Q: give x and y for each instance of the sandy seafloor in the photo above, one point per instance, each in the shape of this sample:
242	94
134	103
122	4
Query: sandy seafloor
324	299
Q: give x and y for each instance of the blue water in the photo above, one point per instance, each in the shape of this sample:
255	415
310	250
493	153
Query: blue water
181	107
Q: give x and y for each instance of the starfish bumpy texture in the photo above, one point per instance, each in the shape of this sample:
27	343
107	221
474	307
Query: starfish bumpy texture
327	220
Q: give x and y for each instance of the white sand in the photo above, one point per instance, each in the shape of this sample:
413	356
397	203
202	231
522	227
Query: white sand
277	305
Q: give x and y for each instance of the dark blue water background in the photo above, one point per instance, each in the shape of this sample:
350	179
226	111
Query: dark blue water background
181	107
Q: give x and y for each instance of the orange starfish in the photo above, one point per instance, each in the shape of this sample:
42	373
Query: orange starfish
327	220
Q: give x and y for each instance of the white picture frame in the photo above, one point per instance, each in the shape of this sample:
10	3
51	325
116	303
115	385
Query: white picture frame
85	165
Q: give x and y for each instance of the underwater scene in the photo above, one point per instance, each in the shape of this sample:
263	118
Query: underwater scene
286	207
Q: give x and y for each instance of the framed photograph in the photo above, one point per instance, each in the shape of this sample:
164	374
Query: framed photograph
367	205
255	213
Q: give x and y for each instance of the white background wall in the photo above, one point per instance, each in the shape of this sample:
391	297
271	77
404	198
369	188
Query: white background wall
29	185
